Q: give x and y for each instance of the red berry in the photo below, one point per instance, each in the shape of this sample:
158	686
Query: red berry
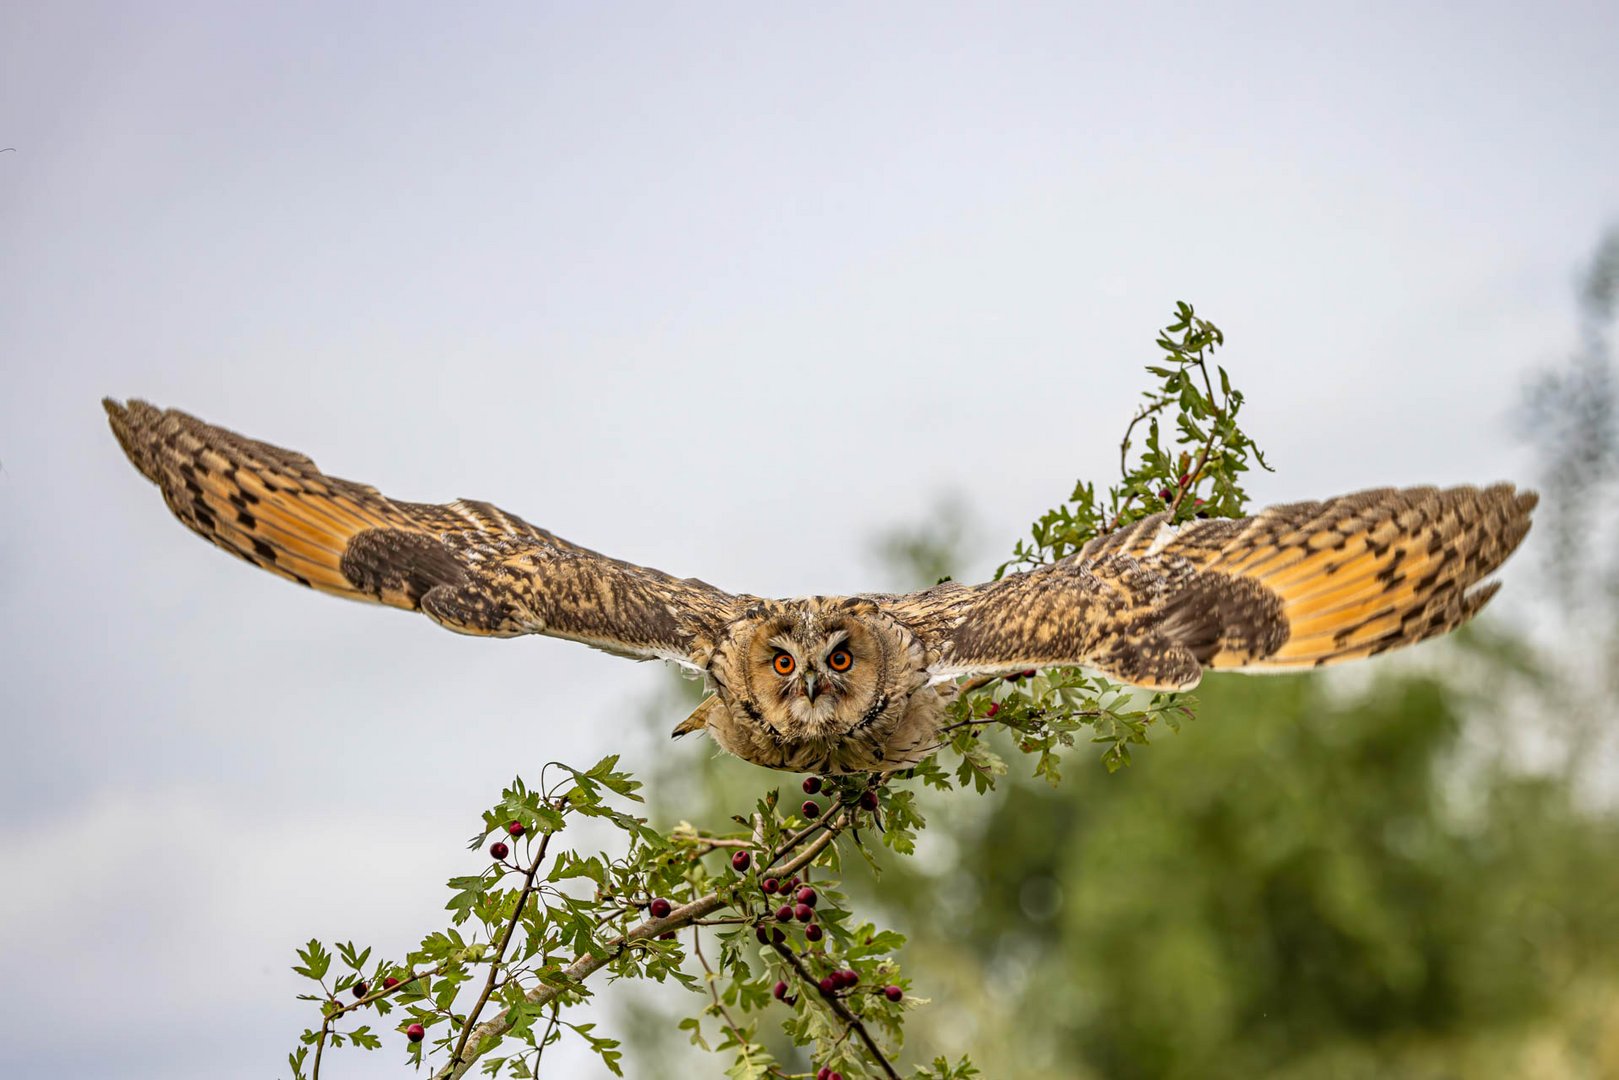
498	850
811	809
893	993
359	989
770	885
812	785
780	990
868	800
389	983
823	1073
806	895
848	977
741	861
415	1032
777	935
828	984
660	908
1164	494
994	707
784	913
1031	673
835	1076
762	934
803	913
813	931
667	935
791	884
515	828
1186	478
1197	502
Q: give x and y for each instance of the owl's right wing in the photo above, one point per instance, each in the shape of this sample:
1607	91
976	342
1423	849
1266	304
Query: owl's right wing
1296	586
467	565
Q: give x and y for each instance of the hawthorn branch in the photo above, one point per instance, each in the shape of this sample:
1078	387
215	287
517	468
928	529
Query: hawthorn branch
505	940
742	1041
589	963
1124	443
851	1021
332	1017
985	721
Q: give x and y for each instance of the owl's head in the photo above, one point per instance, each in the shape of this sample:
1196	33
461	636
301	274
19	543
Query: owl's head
817	684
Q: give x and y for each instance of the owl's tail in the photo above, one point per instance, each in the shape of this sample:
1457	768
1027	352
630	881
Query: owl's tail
1357	575
268	506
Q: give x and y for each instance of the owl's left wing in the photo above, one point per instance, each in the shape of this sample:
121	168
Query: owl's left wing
467	565
1296	586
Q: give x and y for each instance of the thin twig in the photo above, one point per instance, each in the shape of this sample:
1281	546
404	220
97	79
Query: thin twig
320	1048
331	1018
388	991
1124	443
851	1021
550	1026
742	1040
838	815
1089	714
1208	445
500	949
712	843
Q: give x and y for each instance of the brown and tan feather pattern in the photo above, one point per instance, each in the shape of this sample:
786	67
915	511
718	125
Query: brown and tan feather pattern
467	565
841	684
1297	586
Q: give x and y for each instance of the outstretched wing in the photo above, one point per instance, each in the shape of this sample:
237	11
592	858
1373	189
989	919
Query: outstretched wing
1297	586
467	565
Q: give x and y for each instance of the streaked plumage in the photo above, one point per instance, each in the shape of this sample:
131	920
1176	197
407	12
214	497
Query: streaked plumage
1296	586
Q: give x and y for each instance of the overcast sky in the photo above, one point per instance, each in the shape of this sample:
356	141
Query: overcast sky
719	289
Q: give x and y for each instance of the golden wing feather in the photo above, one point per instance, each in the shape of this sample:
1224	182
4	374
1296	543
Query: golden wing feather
468	565
1296	586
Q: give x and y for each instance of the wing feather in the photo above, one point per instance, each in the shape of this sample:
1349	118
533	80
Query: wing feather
1298	585
468	565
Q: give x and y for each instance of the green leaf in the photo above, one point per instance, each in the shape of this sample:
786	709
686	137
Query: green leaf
316	961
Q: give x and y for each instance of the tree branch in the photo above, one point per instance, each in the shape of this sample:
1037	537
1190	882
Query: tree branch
505	940
719	1006
330	1018
588	964
852	1021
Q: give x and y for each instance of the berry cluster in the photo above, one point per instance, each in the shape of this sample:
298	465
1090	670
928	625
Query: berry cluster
813	785
498	850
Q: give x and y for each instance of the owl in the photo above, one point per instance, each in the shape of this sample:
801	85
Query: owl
841	684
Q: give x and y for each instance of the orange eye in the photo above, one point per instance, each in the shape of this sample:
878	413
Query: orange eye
839	660
784	663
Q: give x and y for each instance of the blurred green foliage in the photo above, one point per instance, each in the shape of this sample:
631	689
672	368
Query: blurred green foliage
1286	884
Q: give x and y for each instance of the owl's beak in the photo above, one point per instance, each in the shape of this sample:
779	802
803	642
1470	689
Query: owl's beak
809	686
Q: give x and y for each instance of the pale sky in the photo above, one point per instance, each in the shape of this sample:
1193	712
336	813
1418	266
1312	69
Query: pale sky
720	289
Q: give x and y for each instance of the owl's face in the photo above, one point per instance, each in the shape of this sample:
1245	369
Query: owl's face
819	684
819	671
